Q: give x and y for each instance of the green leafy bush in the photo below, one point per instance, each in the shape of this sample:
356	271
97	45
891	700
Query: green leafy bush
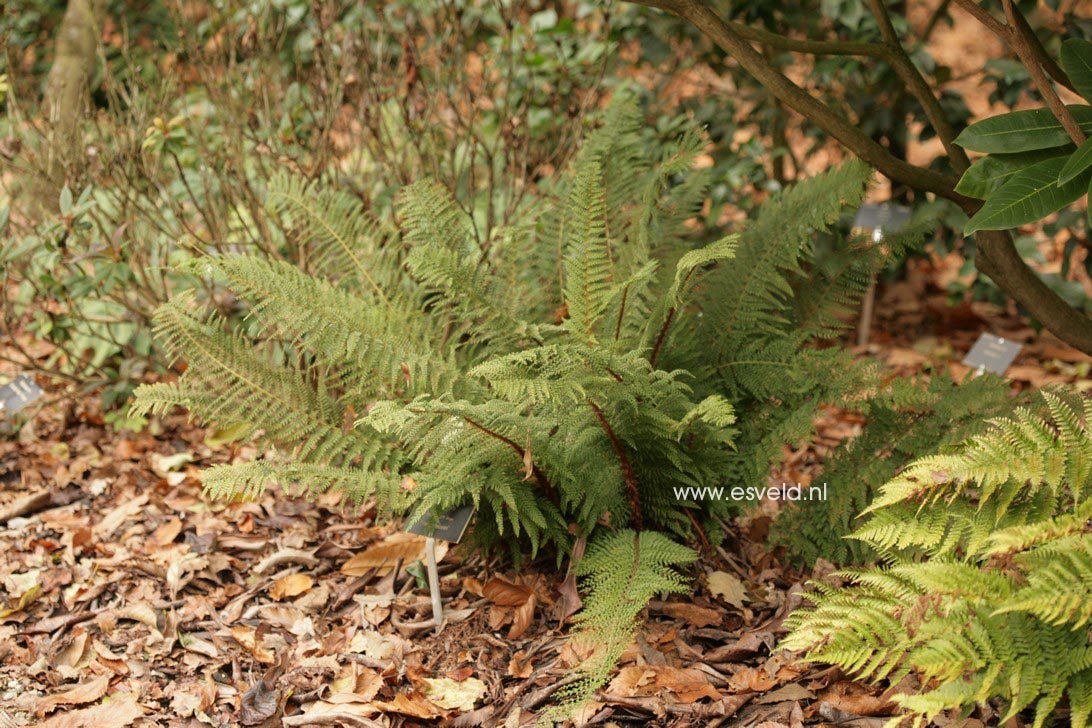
179	162
986	587
1032	167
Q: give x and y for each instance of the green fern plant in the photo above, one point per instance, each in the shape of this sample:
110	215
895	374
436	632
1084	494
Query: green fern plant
569	376
906	420
987	582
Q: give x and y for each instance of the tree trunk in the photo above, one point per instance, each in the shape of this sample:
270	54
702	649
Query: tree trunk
66	96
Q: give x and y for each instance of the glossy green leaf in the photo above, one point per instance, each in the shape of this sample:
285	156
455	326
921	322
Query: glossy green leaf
1077	162
1077	63
1022	131
1028	196
987	174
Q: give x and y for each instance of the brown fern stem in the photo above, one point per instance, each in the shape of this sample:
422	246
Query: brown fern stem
667	322
706	545
660	338
629	477
536	471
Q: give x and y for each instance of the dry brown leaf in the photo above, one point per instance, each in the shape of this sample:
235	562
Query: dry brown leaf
414	705
454	694
746	646
506	594
686	684
520	666
856	699
87	692
518	596
727	588
117	711
522	618
792	691
167	532
113	520
248	638
693	614
291	586
752	679
382	556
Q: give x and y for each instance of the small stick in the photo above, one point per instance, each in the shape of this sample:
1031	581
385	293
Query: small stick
864	328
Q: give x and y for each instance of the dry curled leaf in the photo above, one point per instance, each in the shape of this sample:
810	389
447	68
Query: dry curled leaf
413	704
291	586
382	556
693	614
685	685
727	588
117	711
453	694
517	596
86	692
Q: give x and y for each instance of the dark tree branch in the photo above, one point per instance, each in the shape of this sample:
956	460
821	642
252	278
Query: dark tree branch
983	16
814	47
1036	47
804	103
997	255
1007	35
1024	47
918	86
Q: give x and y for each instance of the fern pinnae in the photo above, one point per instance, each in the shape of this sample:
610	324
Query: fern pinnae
321	208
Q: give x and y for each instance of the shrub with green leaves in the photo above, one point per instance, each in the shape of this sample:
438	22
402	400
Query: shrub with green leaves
1032	167
568	376
986	587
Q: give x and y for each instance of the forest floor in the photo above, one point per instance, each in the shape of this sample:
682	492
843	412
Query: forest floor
127	598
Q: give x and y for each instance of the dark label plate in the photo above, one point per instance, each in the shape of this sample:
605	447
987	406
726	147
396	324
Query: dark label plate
887	217
992	353
18	393
450	526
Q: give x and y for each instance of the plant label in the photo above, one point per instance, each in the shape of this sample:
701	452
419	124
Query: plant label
884	218
449	526
992	354
18	393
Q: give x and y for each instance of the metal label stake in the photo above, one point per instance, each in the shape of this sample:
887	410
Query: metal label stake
879	219
434	580
450	527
